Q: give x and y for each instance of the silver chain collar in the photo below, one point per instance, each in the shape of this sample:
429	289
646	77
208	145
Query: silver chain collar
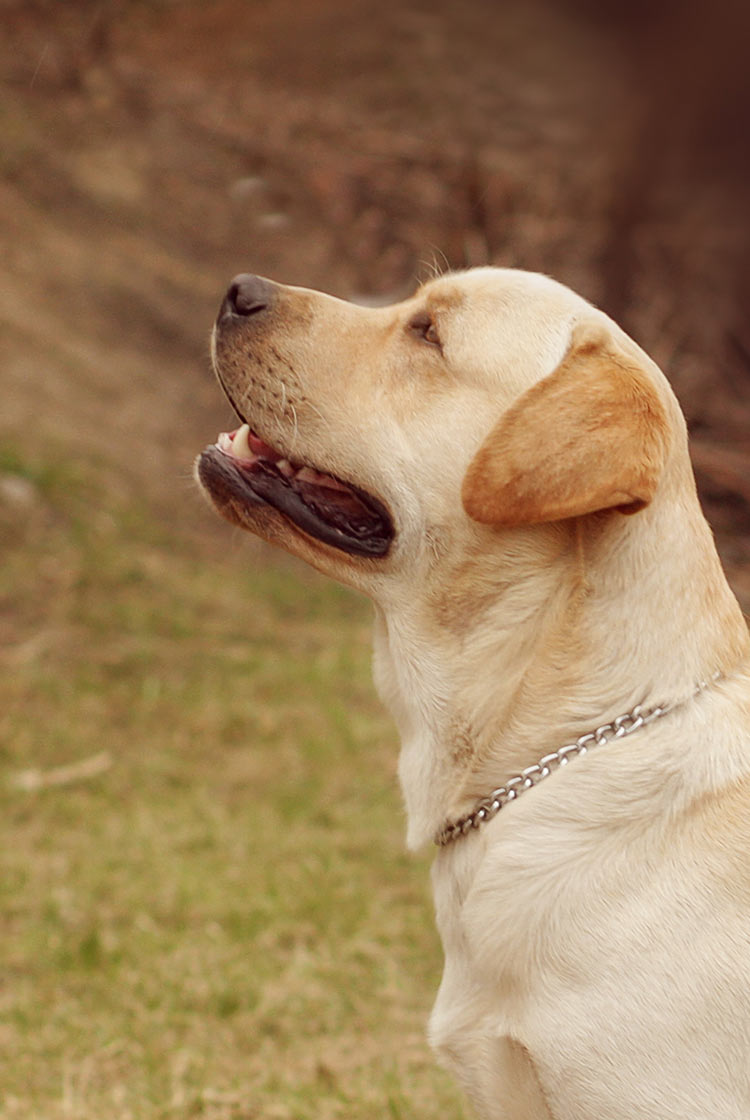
619	728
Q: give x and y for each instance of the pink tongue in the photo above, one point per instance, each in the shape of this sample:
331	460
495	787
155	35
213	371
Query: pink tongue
258	447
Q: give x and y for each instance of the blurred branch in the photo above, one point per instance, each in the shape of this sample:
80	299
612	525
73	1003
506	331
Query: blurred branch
87	768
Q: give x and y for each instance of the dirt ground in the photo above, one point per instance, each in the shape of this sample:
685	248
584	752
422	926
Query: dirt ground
152	149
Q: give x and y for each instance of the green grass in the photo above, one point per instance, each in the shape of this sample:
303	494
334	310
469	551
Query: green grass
222	923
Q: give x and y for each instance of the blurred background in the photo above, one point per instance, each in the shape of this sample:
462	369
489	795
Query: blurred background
206	910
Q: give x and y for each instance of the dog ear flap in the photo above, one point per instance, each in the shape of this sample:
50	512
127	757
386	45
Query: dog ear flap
591	436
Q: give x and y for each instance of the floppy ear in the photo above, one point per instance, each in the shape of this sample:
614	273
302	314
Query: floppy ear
590	436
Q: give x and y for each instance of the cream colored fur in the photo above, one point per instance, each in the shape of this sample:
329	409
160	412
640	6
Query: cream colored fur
597	931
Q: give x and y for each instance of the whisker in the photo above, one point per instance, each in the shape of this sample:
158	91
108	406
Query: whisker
314	408
295	433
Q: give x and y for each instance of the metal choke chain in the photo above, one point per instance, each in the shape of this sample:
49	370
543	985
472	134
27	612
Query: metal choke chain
490	806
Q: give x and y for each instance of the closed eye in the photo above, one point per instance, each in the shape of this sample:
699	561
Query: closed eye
423	326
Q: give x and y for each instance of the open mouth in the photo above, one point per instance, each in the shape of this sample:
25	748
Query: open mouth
241	468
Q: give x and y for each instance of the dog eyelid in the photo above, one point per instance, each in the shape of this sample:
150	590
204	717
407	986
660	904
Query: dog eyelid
423	325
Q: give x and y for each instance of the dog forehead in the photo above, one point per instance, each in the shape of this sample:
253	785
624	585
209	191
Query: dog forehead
504	328
504	293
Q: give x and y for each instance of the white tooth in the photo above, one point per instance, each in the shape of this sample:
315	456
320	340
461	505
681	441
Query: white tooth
285	467
307	474
331	483
240	443
224	442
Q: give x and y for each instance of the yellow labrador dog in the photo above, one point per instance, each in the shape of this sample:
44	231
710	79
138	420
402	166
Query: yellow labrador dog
506	474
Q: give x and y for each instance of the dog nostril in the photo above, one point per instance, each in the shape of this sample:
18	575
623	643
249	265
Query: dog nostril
249	295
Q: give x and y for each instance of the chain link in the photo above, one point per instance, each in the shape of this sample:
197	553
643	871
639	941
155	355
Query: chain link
618	728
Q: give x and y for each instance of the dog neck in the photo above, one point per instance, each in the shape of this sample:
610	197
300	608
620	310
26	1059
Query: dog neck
485	677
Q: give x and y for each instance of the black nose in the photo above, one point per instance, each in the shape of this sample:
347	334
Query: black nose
247	295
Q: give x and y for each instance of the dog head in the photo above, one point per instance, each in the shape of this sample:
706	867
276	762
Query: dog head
375	439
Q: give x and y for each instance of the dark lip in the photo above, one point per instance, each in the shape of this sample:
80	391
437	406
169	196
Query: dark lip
229	482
